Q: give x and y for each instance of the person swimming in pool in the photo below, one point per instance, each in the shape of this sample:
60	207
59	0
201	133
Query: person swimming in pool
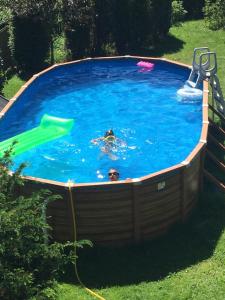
113	174
110	143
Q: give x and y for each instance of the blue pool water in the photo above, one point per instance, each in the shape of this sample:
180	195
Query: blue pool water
159	130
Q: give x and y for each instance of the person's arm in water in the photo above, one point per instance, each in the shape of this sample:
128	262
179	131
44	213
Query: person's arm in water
95	141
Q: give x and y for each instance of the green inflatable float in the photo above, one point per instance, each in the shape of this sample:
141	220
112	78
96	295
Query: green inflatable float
49	129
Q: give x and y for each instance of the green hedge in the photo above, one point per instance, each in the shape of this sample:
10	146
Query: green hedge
128	26
194	8
5	53
29	43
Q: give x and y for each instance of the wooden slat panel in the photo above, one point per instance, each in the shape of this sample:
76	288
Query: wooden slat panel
159	197
103	196
152	187
151	228
219	163
118	236
156	233
108	228
193	167
106	205
222	118
190	206
216	142
191	202
219	184
159	219
161	213
115	213
218	128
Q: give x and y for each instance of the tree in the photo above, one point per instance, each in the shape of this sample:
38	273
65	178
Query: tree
122	27
214	14
104	25
46	11
194	8
28	262
178	12
2	72
29	43
78	21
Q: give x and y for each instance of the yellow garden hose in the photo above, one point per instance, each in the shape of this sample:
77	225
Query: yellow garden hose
75	248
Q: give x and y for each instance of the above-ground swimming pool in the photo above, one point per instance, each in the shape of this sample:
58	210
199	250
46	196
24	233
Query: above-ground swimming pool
158	129
159	158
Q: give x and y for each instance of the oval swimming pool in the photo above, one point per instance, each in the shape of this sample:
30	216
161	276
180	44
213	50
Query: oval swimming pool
157	129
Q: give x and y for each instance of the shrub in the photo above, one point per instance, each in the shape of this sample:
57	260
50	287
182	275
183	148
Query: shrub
140	23
78	19
178	12
103	25
2	72
29	43
161	18
28	262
214	14
194	8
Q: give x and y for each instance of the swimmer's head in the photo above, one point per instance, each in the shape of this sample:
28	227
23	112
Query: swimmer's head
113	175
109	133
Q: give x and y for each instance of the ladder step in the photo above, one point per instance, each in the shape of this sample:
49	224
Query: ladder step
216	142
216	161
222	118
214	125
213	179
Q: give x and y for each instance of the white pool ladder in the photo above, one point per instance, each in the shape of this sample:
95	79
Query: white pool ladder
217	94
204	65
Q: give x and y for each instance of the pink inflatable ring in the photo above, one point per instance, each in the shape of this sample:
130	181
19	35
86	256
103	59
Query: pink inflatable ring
145	64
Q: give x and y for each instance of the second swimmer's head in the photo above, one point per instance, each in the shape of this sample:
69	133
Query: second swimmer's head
109	133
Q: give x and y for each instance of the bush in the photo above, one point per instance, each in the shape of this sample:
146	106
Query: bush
78	41
28	263
140	24
194	8
78	21
178	12
214	14
2	73
103	25
161	18
29	43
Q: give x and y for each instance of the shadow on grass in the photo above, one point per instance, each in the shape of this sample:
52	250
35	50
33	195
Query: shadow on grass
168	45
182	247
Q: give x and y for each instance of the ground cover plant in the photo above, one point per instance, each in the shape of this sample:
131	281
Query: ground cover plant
29	262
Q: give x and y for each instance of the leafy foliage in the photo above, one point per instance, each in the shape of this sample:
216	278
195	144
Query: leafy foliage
178	12
30	43
194	8
92	27
5	15
214	14
78	20
28	263
140	24
2	73
104	24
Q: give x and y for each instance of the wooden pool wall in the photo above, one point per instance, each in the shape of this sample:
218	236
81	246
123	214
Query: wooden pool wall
128	211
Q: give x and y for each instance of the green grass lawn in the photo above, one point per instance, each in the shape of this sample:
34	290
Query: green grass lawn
187	263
